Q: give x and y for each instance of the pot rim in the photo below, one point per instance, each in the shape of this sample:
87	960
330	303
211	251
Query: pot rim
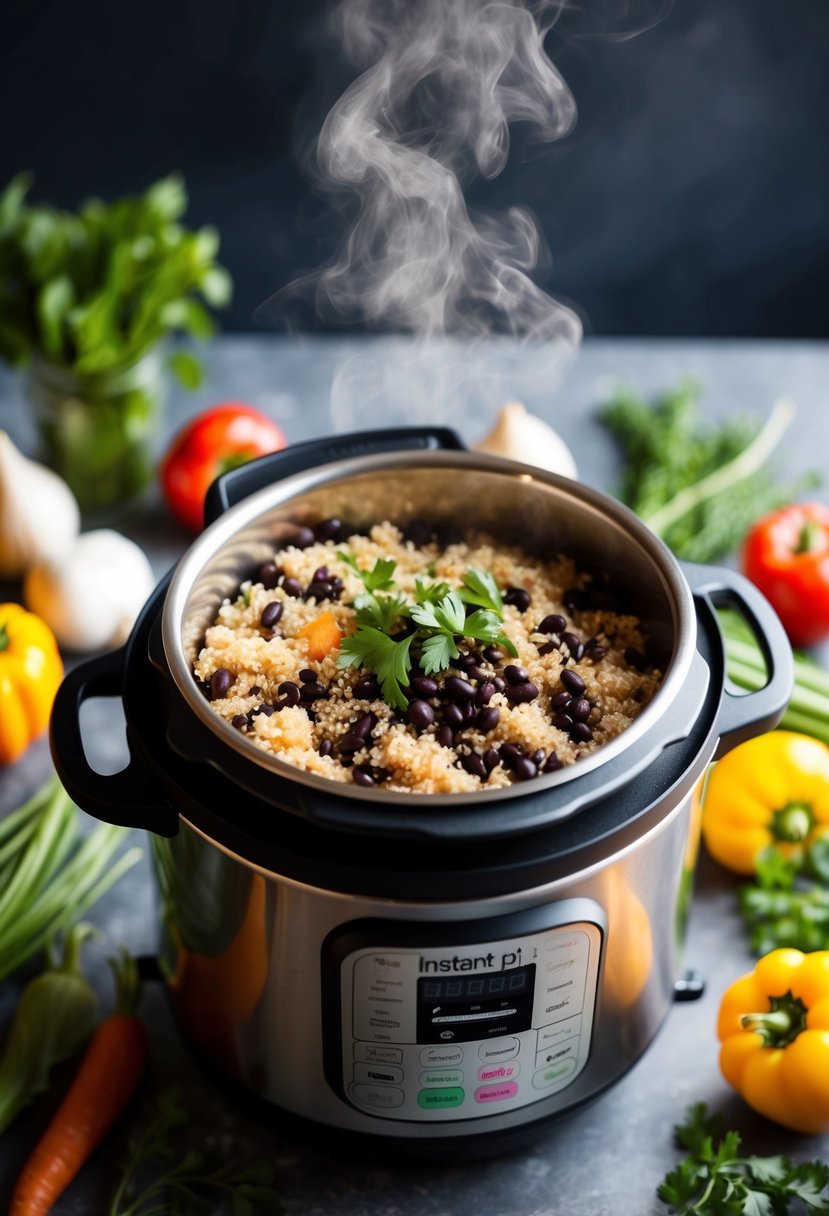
245	512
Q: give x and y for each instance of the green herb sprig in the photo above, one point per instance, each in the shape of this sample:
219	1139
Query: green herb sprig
714	1180
788	903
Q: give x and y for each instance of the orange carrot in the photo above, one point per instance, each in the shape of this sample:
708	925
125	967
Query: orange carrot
106	1079
323	635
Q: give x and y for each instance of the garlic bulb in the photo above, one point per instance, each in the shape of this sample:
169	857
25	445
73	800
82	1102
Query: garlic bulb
524	437
39	516
91	593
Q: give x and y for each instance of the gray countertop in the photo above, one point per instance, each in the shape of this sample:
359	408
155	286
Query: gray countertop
607	1159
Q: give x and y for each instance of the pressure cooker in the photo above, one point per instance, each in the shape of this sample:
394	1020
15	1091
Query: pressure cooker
429	971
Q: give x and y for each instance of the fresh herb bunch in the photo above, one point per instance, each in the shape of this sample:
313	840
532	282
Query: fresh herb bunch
699	490
94	291
788	904
389	628
160	1179
714	1180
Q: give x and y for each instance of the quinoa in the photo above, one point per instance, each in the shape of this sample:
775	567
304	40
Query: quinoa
574	684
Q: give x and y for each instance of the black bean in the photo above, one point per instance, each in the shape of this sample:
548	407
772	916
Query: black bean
636	659
598	653
488	718
380	774
321	574
418	532
539	757
271	614
350	743
289	691
573	682
458	689
477	673
510	752
485	693
581	733
319	589
292	587
307	676
326	747
500	684
448	534
518	597
444	736
492	654
474	765
420	714
554	623
516	675
301	538
220	683
329	529
362	776
579	709
572	641
521	694
548	648
563	722
424	686
255	691
560	701
524	769
311	692
365	688
465	661
491	758
453	717
589	644
552	763
239	720
265	710
268	575
575	598
337	586
364	725
603	598
469	711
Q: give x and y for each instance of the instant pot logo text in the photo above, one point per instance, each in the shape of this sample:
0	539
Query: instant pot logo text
481	962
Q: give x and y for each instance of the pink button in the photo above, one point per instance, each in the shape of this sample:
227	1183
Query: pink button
496	1093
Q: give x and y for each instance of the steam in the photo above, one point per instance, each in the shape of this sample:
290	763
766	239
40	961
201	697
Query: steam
441	82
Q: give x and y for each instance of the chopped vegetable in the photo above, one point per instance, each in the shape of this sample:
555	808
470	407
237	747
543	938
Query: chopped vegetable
714	1180
103	1085
518	435
54	1015
185	1176
699	491
48	879
30	673
786	554
788	904
323	635
773	1025
214	442
38	512
771	790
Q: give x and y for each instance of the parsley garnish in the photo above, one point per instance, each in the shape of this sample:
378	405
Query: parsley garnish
431	593
390	660
479	587
380	611
447	619
788	904
378	578
714	1180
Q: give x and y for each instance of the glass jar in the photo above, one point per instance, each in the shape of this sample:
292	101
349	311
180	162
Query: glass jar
100	432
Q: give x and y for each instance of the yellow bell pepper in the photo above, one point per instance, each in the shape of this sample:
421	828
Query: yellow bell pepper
30	672
772	790
774	1029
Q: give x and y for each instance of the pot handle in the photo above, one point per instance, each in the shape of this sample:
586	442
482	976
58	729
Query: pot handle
128	798
239	483
743	715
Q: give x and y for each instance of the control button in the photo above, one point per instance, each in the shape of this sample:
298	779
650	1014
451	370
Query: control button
499	1072
557	1052
496	1093
371	1053
379	1097
440	1099
378	1074
559	1031
437	1056
565	941
441	1076
546	1078
499	1049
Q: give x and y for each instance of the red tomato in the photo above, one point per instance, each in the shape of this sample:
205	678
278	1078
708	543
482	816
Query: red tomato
786	555
213	442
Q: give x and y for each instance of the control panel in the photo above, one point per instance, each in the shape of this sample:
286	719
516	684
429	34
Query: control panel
445	1032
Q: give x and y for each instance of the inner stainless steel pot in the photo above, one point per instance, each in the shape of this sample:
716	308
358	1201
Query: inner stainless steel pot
514	503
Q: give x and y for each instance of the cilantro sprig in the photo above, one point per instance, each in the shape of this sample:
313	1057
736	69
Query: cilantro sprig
714	1180
440	618
788	904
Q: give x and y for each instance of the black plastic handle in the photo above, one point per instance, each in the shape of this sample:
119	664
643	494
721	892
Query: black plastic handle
128	798
743	715
240	483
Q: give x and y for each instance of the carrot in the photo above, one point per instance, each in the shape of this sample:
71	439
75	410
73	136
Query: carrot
323	635
106	1079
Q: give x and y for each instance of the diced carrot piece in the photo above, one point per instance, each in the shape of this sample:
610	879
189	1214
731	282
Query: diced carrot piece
323	635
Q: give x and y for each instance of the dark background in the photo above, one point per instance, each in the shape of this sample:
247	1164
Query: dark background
690	199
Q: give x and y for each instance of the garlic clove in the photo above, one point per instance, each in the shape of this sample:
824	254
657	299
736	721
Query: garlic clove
39	516
91	594
522	436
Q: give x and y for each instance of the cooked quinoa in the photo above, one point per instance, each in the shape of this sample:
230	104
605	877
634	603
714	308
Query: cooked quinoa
579	678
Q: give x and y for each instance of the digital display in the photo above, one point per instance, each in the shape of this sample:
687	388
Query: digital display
476	987
482	1006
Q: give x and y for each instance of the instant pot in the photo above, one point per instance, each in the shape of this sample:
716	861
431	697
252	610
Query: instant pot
433	971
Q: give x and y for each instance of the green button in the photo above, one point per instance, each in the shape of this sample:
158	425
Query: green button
433	1099
443	1076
